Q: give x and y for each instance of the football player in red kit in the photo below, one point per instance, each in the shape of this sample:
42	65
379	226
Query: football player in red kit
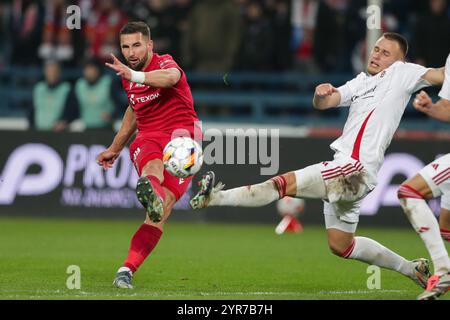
160	108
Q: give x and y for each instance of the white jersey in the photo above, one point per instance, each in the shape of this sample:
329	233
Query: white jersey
445	90
376	105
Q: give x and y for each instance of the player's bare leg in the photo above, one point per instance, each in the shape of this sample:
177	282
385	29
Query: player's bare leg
149	191
143	243
412	195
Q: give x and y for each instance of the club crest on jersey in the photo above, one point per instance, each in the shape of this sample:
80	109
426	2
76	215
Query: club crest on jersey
435	166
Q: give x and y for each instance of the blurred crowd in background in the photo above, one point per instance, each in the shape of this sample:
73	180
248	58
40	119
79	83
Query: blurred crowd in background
223	35
305	36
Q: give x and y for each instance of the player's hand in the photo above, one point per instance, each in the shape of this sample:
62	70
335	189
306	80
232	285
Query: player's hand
120	69
106	158
423	102
325	89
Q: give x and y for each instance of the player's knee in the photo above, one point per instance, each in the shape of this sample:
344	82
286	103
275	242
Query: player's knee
341	249
334	249
406	191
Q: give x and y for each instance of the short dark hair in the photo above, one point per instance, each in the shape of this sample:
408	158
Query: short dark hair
136	26
401	40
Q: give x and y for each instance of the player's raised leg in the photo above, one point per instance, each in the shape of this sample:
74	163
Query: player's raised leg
149	190
305	183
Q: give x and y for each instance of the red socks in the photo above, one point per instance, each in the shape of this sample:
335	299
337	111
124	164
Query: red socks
445	234
142	243
156	184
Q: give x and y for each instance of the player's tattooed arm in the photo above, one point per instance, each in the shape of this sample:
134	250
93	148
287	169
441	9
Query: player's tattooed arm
164	78
435	76
326	96
127	129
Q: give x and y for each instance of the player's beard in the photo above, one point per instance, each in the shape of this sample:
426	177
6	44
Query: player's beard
140	65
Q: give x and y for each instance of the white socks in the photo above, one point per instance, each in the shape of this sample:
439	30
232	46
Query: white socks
256	195
424	222
371	252
121	269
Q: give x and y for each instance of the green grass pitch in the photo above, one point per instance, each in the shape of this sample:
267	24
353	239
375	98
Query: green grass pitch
192	261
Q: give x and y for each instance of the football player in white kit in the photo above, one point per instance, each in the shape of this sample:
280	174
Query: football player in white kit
377	99
431	182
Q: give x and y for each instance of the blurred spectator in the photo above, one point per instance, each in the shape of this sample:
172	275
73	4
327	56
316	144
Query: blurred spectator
431	40
304	19
159	17
212	38
27	18
329	45
58	42
49	98
102	29
257	41
93	99
4	34
281	26
180	11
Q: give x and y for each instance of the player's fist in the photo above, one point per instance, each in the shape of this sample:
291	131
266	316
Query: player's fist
106	158
324	90
422	102
120	69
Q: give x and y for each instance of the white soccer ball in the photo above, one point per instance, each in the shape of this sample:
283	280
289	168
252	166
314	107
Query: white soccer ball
290	206
182	157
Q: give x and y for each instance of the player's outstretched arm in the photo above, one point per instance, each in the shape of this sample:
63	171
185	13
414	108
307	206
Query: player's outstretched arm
165	78
439	110
435	76
126	131
326	96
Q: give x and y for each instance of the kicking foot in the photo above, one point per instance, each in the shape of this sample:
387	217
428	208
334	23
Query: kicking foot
123	280
437	286
203	196
421	272
150	200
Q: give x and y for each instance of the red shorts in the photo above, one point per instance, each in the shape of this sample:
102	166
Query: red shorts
150	146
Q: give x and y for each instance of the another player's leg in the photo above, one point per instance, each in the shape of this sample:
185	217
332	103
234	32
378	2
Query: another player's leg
444	222
304	183
343	243
149	190
142	244
412	195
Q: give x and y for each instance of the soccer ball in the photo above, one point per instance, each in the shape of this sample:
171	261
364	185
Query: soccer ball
290	206
182	157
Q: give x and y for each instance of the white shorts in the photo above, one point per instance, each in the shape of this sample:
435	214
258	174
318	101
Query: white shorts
437	176
342	184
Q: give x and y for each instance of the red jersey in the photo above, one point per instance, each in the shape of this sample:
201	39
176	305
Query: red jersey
162	110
